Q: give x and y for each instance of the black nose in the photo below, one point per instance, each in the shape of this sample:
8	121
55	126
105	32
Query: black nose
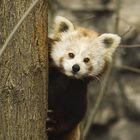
75	68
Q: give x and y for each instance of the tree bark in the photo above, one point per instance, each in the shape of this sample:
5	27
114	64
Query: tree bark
23	72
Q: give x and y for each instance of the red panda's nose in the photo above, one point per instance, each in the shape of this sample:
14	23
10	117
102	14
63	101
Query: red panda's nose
75	68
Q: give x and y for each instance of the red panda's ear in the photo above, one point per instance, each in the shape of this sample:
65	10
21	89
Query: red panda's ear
110	40
61	24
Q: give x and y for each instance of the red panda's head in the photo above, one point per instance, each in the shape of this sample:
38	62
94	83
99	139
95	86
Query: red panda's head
80	52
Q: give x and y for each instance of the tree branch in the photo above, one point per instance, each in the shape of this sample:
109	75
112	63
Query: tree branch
130	46
17	26
129	68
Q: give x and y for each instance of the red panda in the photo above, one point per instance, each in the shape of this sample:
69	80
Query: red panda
76	56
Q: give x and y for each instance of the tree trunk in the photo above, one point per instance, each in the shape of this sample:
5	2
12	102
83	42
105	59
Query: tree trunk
23	72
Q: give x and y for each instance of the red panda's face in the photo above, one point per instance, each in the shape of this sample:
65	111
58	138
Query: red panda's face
81	53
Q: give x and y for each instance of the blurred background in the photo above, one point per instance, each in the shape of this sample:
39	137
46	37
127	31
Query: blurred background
114	104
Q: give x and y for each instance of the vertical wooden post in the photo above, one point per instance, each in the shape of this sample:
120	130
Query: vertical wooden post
23	72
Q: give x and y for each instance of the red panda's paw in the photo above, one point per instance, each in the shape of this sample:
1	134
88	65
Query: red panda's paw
50	122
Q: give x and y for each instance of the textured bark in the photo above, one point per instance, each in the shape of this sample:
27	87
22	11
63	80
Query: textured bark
23	72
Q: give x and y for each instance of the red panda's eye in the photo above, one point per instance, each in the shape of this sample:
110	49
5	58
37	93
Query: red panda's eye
71	55
86	60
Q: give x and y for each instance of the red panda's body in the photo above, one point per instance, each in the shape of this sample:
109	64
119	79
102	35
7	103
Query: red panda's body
76	56
69	104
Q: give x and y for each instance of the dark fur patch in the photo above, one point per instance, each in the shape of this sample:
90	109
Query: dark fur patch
84	33
68	99
61	62
63	27
108	42
90	69
51	41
